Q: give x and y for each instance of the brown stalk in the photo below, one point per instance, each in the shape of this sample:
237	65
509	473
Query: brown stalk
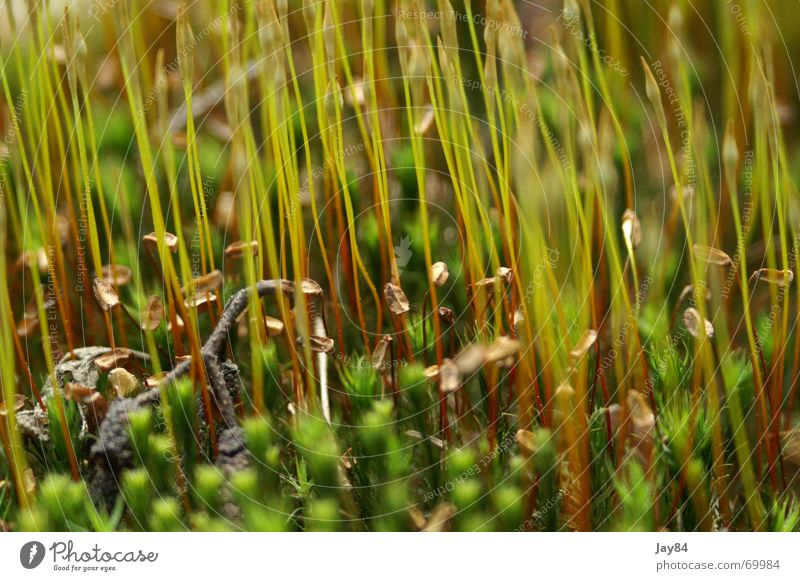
24	365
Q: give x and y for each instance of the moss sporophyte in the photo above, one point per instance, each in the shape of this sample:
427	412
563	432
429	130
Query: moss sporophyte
389	266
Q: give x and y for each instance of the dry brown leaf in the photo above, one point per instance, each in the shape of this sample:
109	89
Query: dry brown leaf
98	407
116	274
78	393
439	273
711	255
105	294
151	242
470	359
396	299
775	276
692	320
500	349
504	274
202	301
310	287
153	314
449	376
19	403
585	343
274	326
631	228
155	379
485	282
206	283
431	372
123	382
115	358
319	344
242	248
382	354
